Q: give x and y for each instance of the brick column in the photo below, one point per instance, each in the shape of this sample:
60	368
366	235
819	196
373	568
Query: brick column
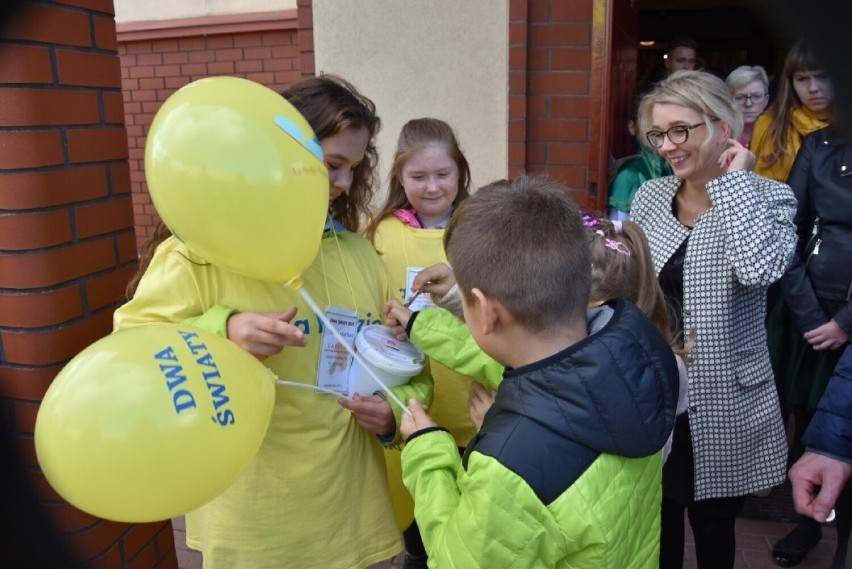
518	102
307	62
550	91
67	244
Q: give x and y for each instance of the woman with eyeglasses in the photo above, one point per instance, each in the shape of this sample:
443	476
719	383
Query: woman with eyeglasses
719	236
804	104
749	87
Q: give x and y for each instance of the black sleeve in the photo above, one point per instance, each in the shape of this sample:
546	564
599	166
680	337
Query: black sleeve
795	284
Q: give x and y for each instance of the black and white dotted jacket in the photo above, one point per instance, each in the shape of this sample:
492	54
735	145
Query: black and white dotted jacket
736	249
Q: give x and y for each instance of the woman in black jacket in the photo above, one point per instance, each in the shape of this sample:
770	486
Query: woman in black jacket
809	330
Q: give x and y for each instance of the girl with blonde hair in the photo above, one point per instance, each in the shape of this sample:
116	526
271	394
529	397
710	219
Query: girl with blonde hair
429	177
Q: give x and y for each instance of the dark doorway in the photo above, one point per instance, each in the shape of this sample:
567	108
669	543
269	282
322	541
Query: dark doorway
729	33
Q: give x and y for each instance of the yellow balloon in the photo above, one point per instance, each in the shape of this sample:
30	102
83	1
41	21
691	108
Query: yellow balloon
238	175
403	504
153	421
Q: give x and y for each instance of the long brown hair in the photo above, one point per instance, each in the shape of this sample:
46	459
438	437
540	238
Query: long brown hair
631	277
331	105
416	134
622	268
146	253
799	58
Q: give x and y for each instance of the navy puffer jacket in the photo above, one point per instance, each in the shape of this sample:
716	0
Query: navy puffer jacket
830	431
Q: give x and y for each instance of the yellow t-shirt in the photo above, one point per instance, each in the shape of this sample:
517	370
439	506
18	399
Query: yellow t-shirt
315	496
401	246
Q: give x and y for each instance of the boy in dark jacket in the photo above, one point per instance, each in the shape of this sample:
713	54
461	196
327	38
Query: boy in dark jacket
822	472
566	469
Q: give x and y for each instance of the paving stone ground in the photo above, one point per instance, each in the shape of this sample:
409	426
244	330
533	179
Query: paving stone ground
765	520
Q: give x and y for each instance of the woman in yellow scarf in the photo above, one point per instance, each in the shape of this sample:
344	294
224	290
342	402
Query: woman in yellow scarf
803	105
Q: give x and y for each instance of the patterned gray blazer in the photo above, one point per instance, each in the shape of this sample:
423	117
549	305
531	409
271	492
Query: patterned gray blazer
736	249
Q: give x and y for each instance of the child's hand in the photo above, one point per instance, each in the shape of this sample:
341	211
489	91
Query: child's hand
479	401
373	413
398	316
416	421
736	157
437	280
264	334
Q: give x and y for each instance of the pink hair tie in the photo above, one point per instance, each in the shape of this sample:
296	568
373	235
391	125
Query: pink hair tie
616	224
616	246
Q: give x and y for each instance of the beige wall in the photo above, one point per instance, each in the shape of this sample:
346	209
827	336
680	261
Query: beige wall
442	58
147	10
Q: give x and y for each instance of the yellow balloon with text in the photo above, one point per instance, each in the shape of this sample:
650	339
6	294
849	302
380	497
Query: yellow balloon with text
152	421
237	174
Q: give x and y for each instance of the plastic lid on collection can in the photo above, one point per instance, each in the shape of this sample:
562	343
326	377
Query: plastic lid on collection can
380	348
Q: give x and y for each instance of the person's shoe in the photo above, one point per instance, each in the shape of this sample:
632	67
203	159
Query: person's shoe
791	549
414	562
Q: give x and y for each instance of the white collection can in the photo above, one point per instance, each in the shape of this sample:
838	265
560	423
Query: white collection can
393	361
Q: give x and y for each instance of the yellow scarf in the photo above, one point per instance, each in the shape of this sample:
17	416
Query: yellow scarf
802	122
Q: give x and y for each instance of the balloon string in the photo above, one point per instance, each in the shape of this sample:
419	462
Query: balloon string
307	298
309	386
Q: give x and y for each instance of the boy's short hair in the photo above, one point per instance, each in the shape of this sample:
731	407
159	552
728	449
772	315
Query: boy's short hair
523	244
681	41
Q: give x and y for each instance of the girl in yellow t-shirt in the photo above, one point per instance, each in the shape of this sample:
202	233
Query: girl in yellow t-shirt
315	495
428	179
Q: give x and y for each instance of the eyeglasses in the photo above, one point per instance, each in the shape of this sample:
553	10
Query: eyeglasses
752	99
678	134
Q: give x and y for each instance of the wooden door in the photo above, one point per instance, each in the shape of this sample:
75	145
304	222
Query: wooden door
615	26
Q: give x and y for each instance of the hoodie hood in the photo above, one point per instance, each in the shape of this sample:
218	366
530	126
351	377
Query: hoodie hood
613	392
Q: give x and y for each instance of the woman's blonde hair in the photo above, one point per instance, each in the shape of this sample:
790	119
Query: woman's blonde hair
697	90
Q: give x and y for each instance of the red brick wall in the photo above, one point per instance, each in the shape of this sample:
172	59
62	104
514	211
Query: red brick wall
67	243
157	62
307	62
550	92
555	84
518	103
